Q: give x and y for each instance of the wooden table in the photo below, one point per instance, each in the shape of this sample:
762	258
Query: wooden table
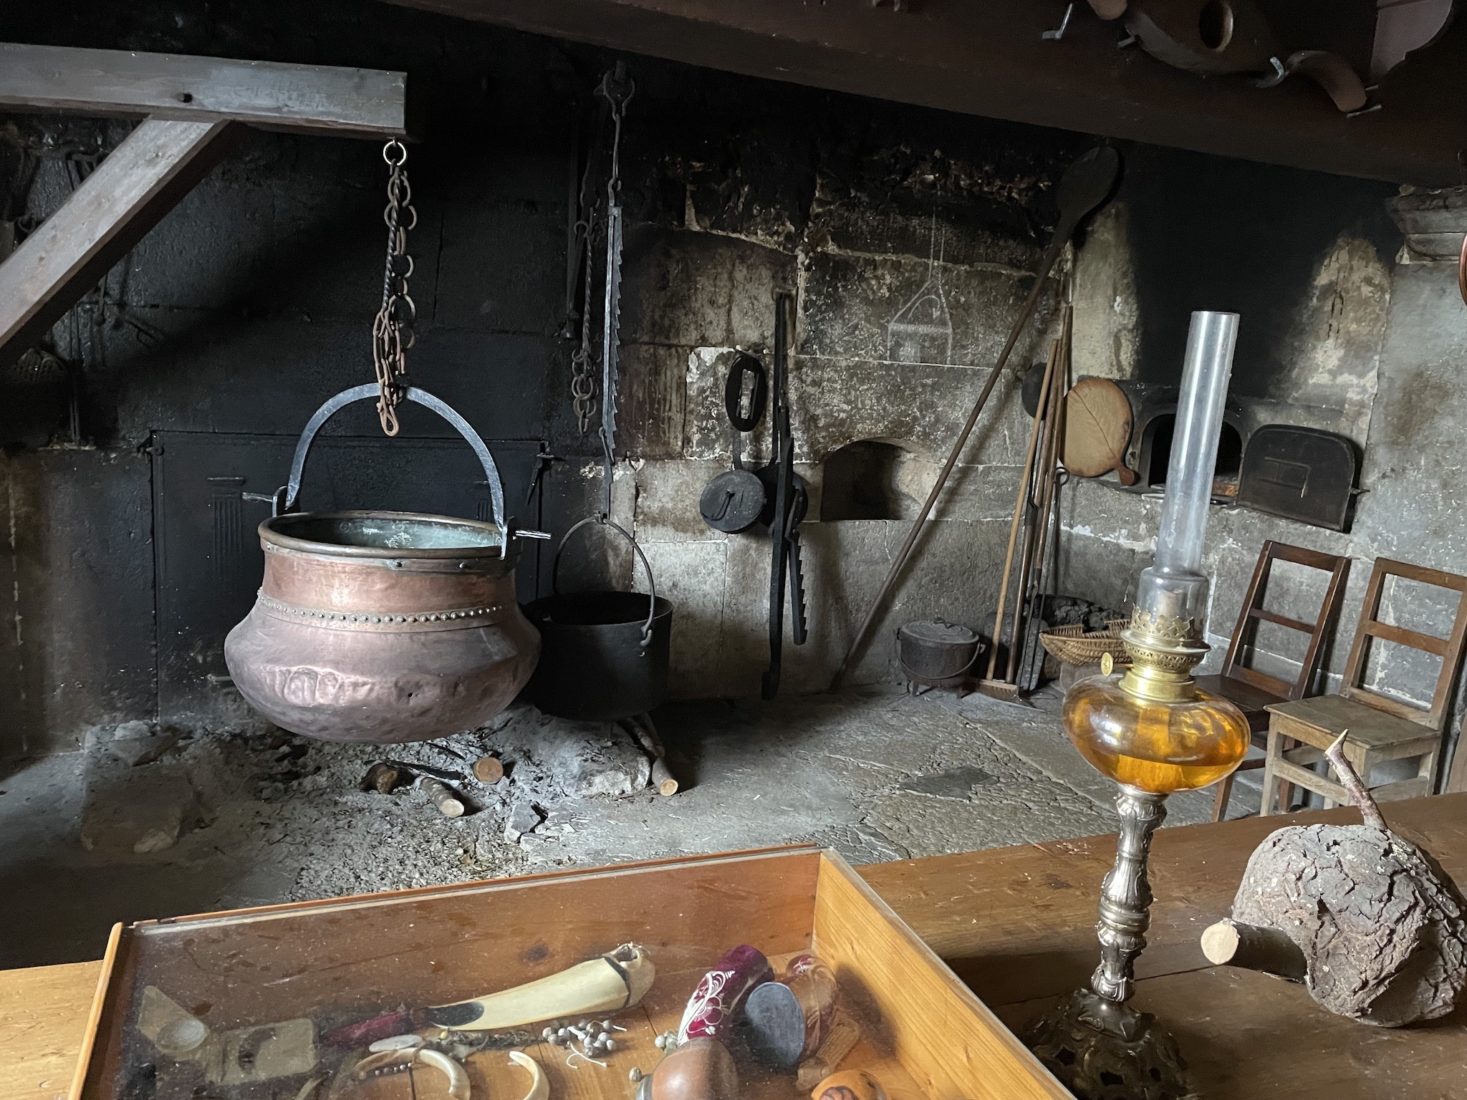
1017	925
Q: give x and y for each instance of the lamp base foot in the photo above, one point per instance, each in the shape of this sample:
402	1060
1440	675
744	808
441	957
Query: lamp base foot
1103	1050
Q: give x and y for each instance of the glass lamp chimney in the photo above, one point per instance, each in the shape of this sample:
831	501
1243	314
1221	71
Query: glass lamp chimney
1173	588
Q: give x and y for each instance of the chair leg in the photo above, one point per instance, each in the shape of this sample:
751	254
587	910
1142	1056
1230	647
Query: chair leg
1287	792
1266	804
1220	802
1426	771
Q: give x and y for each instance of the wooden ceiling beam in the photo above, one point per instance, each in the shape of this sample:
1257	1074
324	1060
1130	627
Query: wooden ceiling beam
990	58
309	98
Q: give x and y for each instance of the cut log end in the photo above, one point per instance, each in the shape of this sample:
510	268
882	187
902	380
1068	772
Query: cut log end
1232	943
448	803
488	770
665	782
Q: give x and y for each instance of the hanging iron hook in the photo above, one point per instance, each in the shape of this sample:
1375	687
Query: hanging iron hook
617	87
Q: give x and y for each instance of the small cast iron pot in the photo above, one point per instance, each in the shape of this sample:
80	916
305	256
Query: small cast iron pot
937	653
605	653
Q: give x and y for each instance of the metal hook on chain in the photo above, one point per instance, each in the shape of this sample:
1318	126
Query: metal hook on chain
617	89
394	329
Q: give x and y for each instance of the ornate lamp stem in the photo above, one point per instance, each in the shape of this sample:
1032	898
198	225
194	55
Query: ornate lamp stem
1097	1044
1125	899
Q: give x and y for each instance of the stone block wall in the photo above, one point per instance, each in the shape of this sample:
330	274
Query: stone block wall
874	209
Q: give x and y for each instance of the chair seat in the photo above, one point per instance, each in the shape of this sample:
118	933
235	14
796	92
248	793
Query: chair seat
1252	701
1318	721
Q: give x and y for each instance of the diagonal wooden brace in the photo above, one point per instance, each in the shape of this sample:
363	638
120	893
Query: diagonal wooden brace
127	194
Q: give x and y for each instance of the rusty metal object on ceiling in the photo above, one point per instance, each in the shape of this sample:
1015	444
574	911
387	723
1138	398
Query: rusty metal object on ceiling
1403	28
1224	37
994	60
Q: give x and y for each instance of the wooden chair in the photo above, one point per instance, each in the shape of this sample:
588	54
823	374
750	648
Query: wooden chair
1382	727
1250	689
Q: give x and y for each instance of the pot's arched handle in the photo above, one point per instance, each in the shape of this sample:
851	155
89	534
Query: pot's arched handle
624	533
288	499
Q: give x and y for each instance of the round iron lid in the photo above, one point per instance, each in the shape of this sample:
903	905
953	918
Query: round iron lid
732	501
938	632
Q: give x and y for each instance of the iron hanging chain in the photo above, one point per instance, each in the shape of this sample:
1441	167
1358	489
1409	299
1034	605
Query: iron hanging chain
584	385
394	330
583	370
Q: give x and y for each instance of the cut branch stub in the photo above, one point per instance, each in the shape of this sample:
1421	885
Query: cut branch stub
1270	950
1353	784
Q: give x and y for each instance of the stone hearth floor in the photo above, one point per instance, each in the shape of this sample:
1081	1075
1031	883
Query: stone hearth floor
237	819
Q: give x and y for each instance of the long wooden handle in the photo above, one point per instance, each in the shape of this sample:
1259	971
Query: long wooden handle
1019	504
1036	537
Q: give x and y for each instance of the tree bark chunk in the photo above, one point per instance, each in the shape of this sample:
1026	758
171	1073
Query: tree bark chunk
1381	926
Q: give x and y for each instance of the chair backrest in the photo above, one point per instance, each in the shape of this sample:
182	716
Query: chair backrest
1253	613
1449	649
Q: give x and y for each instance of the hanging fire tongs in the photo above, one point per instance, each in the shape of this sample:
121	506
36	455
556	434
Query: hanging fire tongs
790	500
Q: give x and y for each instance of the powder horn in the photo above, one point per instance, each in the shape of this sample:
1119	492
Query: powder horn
614	981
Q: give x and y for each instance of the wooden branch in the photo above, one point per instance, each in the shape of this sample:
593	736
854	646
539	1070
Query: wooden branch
127	195
443	797
488	770
645	733
368	102
1351	781
1232	943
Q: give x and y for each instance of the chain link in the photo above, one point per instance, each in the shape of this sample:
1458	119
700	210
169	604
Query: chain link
590	230
394	330
583	367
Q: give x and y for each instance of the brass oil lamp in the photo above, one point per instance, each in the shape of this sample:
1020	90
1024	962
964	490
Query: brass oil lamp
1153	732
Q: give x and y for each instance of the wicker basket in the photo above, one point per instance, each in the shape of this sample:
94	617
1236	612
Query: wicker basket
1073	646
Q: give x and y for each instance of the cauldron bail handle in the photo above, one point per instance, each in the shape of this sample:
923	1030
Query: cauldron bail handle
606	521
370	392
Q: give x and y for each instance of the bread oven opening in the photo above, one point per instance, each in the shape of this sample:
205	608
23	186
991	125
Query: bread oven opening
862	480
1155	453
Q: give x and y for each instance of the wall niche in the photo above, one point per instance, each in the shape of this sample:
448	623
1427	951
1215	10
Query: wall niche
863	480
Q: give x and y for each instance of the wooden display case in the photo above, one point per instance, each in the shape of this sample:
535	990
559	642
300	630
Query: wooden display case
924	1033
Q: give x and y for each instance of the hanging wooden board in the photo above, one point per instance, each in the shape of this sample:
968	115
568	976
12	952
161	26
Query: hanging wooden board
1097	430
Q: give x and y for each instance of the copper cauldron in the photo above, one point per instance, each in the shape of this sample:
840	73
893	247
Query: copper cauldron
383	626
